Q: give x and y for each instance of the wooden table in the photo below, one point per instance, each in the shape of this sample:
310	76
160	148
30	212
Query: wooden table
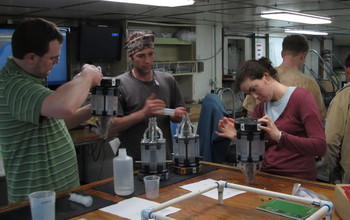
242	206
85	135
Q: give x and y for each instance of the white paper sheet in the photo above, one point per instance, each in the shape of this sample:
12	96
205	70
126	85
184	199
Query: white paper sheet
212	193
115	143
131	208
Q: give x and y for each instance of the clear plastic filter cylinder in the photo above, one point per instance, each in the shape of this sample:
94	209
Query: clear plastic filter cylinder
186	150
104	98
186	144
153	156
97	103
250	150
153	149
104	103
250	146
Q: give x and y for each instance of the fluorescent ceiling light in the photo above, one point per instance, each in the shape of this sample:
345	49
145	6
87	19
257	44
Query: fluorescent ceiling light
164	3
309	32
296	17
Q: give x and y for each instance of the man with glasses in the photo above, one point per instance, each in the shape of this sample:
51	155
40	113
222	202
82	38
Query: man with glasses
37	149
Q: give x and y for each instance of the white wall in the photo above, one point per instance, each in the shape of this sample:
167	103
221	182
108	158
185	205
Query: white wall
245	50
275	48
312	59
208	51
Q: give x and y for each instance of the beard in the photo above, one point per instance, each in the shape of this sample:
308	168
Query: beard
144	71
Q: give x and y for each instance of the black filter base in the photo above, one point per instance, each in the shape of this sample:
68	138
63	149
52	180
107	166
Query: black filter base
187	170
163	175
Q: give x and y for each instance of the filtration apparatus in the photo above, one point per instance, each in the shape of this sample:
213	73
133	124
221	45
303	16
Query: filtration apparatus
250	146
104	103
153	152
186	148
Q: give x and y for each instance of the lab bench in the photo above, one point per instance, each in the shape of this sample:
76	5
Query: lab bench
201	207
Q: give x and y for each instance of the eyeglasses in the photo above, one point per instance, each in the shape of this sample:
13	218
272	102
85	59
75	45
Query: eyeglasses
54	59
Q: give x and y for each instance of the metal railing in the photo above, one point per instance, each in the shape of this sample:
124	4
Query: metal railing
228	98
332	57
326	73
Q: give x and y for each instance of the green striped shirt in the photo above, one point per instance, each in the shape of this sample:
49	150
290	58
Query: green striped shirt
38	152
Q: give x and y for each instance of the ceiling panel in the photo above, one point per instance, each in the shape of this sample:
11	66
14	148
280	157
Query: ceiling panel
62	13
109	7
16	10
41	3
240	15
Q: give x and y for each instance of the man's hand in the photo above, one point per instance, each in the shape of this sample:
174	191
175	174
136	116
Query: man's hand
152	105
179	112
93	72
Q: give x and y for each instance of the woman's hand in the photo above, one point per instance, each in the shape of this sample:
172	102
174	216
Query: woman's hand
270	128
227	128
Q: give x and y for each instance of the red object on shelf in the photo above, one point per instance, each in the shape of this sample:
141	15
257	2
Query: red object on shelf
347	191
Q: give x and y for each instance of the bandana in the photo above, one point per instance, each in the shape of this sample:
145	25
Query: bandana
140	43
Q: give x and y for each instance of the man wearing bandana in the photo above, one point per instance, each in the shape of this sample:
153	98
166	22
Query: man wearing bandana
144	92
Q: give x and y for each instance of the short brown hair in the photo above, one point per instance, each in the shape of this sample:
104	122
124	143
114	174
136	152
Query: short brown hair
33	36
295	44
347	61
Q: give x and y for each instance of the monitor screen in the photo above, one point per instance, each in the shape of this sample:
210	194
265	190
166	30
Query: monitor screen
58	74
99	43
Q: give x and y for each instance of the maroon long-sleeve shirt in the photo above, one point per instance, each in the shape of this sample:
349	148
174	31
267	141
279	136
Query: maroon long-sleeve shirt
303	138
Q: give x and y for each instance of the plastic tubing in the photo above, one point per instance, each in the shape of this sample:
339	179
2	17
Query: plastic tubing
326	206
147	213
167	111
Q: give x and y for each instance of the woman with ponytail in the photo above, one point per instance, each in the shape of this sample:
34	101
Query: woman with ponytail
293	122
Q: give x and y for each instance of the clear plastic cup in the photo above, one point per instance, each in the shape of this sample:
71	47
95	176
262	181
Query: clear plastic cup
42	205
151	186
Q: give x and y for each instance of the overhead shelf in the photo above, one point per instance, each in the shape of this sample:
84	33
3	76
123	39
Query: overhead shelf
179	68
171	41
183	74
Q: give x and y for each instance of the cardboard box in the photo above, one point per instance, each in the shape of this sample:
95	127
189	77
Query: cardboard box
195	110
182	67
341	202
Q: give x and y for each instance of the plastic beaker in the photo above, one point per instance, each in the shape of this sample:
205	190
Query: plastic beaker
151	186
42	205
